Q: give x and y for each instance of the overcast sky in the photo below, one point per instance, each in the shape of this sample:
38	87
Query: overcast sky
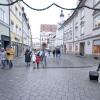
49	16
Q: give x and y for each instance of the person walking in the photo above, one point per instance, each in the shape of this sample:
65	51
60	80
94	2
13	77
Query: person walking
3	58
38	59
27	57
49	52
44	58
53	53
33	59
58	53
10	56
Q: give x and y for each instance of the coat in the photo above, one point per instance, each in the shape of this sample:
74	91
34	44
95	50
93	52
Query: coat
33	58
10	53
38	59
28	56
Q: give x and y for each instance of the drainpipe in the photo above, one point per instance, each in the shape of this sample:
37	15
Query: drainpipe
9	28
63	40
73	35
22	35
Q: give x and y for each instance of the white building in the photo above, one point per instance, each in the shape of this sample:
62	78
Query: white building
82	30
36	45
59	34
16	27
4	24
26	32
47	35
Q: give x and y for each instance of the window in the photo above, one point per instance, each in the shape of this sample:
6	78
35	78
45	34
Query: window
16	29
82	13
12	25
19	13
96	21
82	29
16	10
2	13
70	34
70	47
76	27
76	30
19	30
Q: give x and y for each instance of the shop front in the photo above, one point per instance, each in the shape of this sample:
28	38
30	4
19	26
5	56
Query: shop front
96	47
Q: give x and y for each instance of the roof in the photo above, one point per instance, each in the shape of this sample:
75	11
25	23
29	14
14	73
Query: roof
48	28
74	12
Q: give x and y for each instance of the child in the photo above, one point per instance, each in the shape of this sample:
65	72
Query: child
33	60
38	59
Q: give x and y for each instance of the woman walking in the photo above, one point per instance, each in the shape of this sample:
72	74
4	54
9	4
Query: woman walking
27	57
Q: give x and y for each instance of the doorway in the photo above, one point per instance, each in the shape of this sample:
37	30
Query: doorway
6	43
5	40
82	48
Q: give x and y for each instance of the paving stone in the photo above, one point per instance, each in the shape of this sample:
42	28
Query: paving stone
21	83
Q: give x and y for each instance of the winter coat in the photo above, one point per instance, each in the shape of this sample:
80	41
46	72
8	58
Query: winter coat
27	56
38	59
10	53
33	57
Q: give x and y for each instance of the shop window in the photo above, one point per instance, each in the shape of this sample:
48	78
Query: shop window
96	49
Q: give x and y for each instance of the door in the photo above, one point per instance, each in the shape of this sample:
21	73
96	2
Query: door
6	43
82	48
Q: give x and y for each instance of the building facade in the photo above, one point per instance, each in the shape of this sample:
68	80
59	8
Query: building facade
82	30
16	27
47	35
59	33
36	45
26	32
4	24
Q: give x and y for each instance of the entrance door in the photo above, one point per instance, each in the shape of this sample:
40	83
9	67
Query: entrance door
82	48
6	43
5	40
64	48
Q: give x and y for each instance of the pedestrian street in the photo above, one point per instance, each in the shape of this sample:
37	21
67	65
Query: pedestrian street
70	83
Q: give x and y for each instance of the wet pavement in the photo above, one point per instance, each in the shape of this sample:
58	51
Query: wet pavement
68	80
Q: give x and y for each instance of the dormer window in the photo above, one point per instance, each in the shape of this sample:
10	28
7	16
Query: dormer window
82	13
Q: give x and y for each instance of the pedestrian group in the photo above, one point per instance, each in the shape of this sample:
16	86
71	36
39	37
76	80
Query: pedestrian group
36	57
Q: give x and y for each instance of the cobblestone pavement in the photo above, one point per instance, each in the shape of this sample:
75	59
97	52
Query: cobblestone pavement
71	61
22	83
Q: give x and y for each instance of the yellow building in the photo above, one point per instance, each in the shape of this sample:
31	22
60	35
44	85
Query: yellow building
16	28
